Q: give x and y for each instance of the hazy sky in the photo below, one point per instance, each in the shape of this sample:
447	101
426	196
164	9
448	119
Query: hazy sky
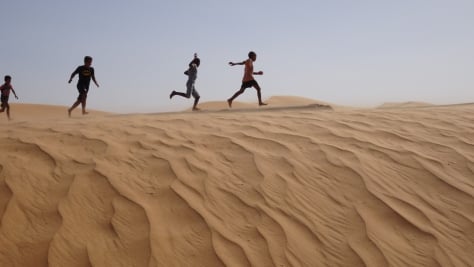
352	52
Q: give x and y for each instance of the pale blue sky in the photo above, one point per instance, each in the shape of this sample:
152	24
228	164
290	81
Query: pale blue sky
359	53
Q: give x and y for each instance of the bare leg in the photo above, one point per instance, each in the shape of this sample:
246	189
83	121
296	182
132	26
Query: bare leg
84	112
73	107
180	94
8	112
229	101
196	100
259	95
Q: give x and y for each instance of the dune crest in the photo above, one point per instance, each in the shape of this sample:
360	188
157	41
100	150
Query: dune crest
28	112
273	102
284	187
409	104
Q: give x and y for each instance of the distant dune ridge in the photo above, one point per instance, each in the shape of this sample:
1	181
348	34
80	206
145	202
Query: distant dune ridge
410	104
307	184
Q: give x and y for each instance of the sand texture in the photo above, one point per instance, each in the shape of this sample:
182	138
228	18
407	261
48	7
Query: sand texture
300	185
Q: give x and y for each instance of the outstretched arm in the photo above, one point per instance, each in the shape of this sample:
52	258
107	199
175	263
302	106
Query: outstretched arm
239	63
258	73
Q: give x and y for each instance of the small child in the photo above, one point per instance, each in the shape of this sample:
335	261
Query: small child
192	76
5	89
86	73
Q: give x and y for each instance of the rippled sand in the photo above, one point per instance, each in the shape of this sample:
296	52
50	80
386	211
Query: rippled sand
301	185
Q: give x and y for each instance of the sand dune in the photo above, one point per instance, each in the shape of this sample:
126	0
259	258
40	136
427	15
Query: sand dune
273	102
29	112
410	104
276	187
286	101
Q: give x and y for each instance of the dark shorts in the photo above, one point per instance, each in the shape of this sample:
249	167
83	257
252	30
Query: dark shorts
248	84
82	92
4	99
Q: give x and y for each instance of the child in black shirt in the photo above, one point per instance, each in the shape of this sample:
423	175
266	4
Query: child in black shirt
86	73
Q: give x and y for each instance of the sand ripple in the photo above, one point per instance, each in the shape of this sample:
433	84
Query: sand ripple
284	187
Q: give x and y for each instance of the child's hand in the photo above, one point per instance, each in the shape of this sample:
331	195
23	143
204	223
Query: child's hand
16	97
232	63
260	73
70	80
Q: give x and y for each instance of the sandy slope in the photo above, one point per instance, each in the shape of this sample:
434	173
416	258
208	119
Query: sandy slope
282	187
31	112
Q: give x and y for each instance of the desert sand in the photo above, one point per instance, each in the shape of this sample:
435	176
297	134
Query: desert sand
297	183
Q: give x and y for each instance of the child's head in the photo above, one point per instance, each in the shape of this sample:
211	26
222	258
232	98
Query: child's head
8	78
196	61
252	55
87	60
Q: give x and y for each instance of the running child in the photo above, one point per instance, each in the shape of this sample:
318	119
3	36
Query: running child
5	94
248	79
86	73
191	89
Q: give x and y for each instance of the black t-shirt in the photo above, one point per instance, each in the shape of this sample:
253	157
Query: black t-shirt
85	75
